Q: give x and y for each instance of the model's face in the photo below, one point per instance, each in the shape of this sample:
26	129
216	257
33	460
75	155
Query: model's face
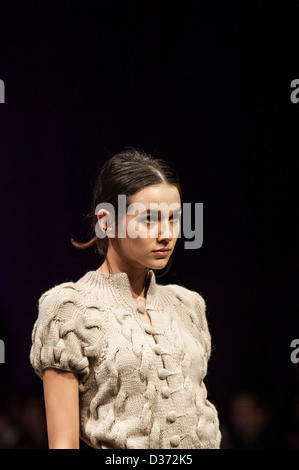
158	227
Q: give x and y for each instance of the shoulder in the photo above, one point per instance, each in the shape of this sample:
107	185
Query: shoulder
191	306
190	303
58	292
187	296
64	301
55	297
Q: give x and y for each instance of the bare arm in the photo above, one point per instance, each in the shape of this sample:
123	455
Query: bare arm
61	393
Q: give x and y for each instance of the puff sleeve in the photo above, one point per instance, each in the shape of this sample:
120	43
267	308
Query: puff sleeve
64	336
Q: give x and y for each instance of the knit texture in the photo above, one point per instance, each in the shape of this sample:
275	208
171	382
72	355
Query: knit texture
141	386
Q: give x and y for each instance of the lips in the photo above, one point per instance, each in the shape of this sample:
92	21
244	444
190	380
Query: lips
162	250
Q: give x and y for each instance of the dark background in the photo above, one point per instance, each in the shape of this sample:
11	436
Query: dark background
204	85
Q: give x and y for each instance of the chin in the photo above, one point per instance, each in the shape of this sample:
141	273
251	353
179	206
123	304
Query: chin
159	264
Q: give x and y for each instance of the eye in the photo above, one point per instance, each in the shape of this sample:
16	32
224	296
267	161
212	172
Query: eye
151	219
154	219
148	219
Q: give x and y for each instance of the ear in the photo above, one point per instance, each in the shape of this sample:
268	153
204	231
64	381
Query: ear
103	217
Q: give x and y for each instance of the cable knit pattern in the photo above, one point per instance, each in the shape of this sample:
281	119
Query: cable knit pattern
141	386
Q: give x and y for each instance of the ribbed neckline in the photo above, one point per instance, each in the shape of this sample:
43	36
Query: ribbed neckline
119	287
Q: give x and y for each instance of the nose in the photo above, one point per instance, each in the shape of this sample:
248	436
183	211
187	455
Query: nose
164	231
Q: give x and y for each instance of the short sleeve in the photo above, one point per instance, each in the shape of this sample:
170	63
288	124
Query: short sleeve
61	336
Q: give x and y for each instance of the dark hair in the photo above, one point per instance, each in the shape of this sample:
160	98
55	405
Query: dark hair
126	173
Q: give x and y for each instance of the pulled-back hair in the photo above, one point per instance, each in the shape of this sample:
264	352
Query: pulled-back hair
125	173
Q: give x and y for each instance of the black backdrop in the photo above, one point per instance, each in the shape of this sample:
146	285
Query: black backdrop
206	86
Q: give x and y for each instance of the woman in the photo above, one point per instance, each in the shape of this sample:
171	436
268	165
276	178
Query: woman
122	357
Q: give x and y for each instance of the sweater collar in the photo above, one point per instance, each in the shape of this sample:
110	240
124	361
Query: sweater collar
118	289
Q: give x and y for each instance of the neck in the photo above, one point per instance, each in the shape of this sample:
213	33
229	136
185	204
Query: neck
139	279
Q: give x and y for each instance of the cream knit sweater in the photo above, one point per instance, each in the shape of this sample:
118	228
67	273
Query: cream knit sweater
141	386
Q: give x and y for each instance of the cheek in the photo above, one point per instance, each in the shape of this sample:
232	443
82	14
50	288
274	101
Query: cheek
138	245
